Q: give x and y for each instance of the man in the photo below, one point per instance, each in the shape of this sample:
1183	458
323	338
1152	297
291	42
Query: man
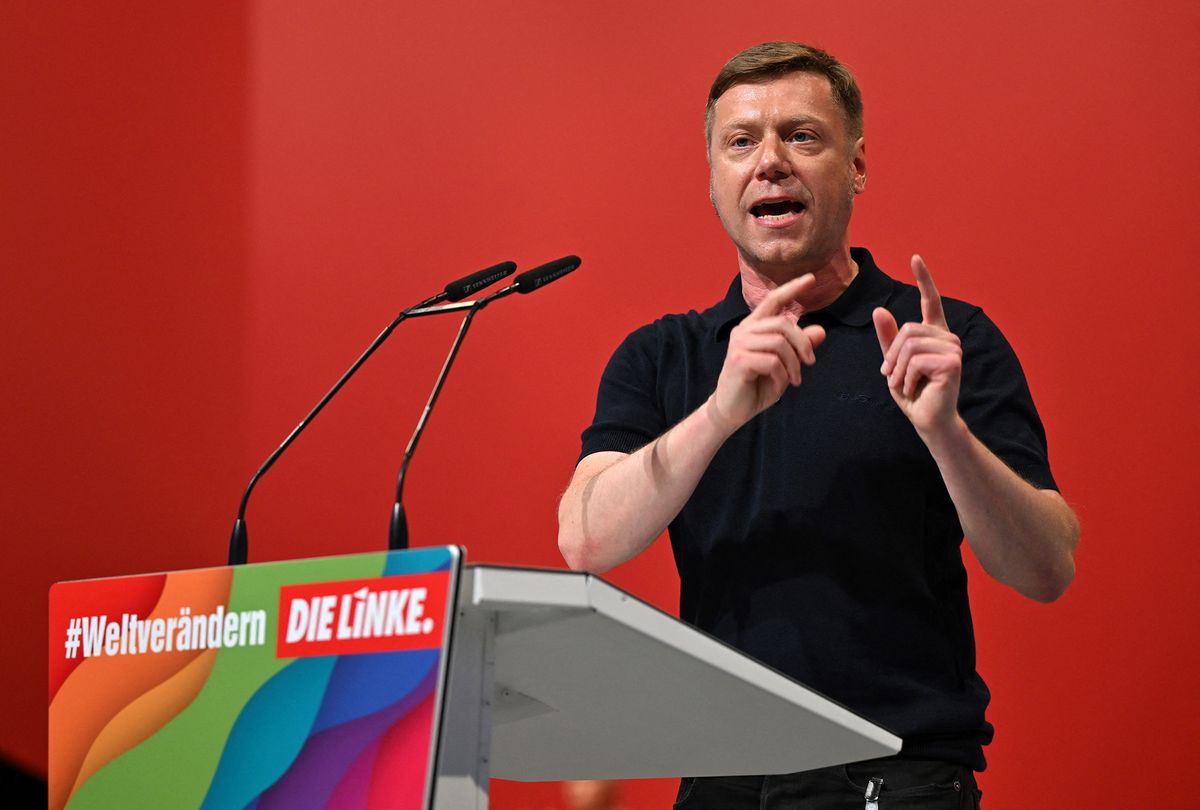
818	443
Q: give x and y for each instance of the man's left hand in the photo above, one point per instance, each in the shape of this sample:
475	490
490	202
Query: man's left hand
922	361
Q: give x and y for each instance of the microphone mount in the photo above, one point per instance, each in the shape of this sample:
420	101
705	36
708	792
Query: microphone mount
525	283
454	291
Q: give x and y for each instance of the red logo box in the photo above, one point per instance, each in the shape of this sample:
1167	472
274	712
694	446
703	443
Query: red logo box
382	614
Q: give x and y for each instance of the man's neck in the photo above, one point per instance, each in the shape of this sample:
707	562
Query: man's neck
833	277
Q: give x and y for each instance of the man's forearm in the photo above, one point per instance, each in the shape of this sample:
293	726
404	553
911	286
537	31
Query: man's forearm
612	512
616	505
1022	536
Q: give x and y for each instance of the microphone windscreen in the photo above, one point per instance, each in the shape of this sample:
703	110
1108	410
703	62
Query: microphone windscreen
469	285
531	280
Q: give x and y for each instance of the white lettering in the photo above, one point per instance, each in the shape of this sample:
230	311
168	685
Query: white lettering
93	635
376	611
215	620
198	640
325	618
254	621
416	610
297	621
360	599
344	630
158	629
143	634
112	638
395	615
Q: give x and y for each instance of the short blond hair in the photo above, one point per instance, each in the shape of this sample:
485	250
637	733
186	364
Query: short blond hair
770	60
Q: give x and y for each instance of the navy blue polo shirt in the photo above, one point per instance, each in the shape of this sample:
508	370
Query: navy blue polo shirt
821	540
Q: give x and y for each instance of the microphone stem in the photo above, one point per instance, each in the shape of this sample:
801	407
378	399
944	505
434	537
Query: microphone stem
433	396
237	545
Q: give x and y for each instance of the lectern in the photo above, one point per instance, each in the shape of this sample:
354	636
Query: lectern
405	680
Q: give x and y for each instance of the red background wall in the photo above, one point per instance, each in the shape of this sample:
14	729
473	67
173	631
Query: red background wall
208	209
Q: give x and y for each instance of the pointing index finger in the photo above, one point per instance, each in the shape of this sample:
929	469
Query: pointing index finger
776	300
931	301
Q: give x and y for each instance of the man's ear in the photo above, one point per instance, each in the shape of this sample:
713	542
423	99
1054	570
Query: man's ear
858	165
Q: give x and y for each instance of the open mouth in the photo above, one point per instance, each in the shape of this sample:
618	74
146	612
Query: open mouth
778	209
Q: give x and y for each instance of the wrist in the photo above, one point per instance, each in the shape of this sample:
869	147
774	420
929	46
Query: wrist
718	421
951	436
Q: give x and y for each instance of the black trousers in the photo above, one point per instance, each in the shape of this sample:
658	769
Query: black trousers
908	784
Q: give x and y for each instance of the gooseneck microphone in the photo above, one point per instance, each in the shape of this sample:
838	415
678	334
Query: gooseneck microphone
525	283
454	291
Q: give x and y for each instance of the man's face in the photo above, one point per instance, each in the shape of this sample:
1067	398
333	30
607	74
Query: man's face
784	173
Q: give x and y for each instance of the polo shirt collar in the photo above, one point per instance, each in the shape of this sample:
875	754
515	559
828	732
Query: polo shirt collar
871	288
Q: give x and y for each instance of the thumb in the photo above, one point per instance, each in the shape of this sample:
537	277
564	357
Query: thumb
815	335
885	328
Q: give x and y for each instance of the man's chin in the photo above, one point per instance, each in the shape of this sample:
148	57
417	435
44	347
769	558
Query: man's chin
786	260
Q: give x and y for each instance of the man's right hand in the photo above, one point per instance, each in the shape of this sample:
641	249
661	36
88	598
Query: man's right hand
617	504
766	353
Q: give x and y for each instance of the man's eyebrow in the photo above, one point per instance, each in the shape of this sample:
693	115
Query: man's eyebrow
754	122
803	120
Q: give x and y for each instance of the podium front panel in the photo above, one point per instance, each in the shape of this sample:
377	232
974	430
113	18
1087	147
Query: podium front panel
311	683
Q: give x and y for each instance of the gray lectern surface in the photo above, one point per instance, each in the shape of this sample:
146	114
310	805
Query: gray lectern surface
592	683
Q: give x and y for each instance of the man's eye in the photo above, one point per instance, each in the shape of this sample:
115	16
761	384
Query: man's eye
740	141
800	137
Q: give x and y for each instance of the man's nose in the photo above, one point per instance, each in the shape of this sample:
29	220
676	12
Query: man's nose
772	160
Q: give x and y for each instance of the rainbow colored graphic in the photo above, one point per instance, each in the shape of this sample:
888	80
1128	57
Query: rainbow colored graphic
167	690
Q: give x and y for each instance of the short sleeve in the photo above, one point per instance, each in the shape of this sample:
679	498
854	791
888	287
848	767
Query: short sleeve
996	403
628	412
